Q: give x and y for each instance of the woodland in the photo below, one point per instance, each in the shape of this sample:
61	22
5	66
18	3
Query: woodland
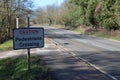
103	15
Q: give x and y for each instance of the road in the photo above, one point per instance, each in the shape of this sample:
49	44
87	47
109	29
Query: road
61	64
100	53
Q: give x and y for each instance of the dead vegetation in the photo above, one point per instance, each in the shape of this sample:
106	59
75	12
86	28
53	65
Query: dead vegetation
91	30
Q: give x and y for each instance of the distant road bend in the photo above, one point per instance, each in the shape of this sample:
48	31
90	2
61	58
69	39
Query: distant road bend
103	53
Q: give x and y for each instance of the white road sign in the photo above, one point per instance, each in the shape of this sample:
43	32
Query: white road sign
26	38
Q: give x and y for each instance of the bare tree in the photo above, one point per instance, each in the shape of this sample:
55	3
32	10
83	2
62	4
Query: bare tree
9	10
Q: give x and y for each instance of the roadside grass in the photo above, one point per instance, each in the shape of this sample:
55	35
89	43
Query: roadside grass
97	34
16	69
6	45
102	35
79	31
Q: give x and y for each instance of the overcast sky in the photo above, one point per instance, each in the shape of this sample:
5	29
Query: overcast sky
44	3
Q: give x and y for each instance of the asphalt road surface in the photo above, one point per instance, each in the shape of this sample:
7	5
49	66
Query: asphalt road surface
103	54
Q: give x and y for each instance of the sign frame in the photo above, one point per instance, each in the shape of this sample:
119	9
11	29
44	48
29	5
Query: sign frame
29	47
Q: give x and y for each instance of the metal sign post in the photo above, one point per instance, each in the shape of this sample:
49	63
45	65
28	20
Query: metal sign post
27	38
28	60
28	56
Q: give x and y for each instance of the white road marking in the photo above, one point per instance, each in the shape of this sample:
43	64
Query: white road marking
80	58
97	68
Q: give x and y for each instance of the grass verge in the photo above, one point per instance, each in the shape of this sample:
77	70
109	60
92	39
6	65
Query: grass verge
98	34
16	69
79	31
102	35
6	45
